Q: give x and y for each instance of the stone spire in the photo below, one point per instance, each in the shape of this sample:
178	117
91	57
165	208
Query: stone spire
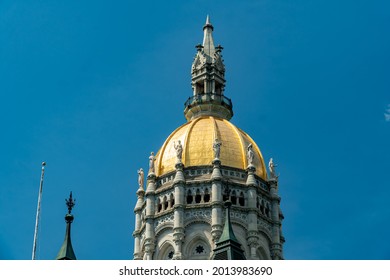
66	252
208	41
208	81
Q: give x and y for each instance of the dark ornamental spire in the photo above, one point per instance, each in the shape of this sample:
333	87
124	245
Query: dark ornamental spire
66	252
228	247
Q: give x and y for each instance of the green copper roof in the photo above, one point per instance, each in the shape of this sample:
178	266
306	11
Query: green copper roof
227	233
228	247
66	252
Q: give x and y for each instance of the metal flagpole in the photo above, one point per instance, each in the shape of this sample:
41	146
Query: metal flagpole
38	212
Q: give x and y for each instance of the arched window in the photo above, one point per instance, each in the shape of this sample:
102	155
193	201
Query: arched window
233	198
262	207
189	197
165	201
166	252
225	195
200	250
206	195
170	255
241	199
159	205
198	197
171	200
267	210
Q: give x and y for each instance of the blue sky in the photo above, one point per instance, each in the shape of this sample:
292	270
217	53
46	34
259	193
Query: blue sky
92	87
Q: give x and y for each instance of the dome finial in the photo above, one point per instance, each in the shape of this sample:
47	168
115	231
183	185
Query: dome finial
70	203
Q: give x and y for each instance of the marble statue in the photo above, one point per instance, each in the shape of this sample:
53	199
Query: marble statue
141	178
271	167
217	148
179	150
152	159
249	154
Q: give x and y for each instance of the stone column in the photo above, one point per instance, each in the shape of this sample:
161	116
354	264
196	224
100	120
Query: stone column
149	218
195	88
178	224
216	201
137	233
276	248
252	235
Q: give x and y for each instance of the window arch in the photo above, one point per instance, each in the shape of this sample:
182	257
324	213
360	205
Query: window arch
267	210
166	252
262	207
225	194
171	200
241	199
189	197
198	197
233	198
200	250
206	195
159	205
165	203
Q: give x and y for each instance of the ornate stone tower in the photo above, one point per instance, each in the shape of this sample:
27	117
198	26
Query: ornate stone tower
201	165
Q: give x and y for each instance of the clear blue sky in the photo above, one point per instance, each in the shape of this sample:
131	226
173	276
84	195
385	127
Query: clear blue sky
92	87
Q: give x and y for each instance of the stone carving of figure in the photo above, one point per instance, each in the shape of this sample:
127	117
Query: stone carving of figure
152	159
179	150
271	167
249	154
141	178
217	148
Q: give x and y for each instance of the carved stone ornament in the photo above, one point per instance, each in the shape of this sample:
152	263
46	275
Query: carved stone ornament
217	148
250	155
140	178
179	150
271	167
152	159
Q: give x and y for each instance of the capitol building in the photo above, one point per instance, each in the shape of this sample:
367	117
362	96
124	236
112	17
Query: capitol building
208	193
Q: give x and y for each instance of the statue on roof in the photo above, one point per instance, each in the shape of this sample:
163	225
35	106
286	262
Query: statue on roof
271	167
152	159
217	148
249	154
179	150
141	178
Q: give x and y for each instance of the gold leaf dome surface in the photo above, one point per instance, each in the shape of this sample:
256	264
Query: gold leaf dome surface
197	137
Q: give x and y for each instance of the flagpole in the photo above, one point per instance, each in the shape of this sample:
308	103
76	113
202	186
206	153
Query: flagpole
38	213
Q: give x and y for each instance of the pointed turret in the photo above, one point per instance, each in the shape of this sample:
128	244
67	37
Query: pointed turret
228	247
66	252
208	81
208	41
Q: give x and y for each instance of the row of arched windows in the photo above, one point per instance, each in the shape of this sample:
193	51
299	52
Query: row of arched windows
236	197
198	196
165	203
264	207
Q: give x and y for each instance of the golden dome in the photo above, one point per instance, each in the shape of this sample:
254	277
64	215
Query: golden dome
197	137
